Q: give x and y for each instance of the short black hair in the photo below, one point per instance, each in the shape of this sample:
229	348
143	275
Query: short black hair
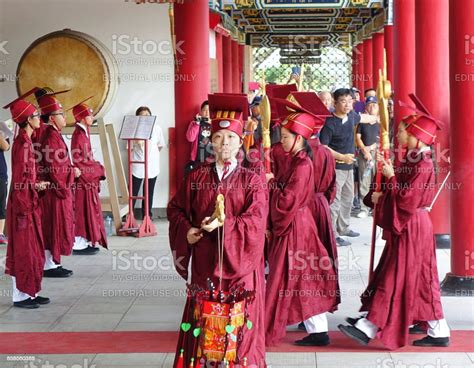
369	89
205	103
342	92
23	124
141	109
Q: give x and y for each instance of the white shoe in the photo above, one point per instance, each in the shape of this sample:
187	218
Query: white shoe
362	214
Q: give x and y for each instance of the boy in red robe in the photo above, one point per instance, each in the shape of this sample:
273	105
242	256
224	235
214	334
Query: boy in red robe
246	211
25	252
57	204
405	288
302	283
89	225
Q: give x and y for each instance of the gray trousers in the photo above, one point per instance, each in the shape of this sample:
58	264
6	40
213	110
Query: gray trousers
341	207
364	182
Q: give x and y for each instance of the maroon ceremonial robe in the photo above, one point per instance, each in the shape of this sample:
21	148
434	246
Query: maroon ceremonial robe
246	210
25	252
301	282
405	285
324	167
89	221
57	204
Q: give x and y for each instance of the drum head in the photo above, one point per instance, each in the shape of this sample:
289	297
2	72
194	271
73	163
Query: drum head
70	60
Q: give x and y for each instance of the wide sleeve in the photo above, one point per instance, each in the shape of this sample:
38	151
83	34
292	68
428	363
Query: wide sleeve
91	171
245	233
59	168
23	181
179	215
287	199
400	202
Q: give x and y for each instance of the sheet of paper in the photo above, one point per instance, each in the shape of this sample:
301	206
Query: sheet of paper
129	127
145	127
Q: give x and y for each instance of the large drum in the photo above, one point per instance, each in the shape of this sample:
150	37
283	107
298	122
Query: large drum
71	60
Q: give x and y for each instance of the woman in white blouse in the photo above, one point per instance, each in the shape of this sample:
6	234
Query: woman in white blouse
155	144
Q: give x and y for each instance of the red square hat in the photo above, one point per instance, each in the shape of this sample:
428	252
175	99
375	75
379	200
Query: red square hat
278	91
81	110
312	103
228	111
47	100
298	119
422	124
21	109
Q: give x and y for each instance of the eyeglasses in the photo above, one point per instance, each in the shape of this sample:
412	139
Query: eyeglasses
58	113
35	115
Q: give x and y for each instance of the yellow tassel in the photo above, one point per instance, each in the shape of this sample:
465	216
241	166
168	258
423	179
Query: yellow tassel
231	355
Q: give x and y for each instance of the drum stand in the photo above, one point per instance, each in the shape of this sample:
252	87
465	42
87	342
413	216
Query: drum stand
131	227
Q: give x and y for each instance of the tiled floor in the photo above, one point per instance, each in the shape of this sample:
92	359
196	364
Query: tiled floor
132	287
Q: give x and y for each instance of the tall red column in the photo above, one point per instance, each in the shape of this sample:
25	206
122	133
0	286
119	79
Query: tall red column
404	60
377	57
432	72
192	79
227	57
361	76
368	65
388	45
235	67
241	68
460	281
220	62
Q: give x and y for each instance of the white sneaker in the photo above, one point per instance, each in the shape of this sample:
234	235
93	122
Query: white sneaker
362	214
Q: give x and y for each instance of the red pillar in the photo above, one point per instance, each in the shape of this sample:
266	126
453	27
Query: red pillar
192	80
404	60
388	45
227	58
432	72
235	67
220	62
377	59
368	65
460	281
241	68
360	62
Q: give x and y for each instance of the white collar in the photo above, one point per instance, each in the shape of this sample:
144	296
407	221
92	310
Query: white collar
83	128
220	168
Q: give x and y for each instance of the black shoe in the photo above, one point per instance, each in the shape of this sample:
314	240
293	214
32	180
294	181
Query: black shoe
57	272
86	251
351	234
314	339
301	327
428	341
352	321
417	330
355	334
342	242
41	300
66	270
27	304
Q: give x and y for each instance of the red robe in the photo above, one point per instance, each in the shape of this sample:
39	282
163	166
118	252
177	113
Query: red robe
57	204
25	251
302	282
89	221
324	167
246	210
405	285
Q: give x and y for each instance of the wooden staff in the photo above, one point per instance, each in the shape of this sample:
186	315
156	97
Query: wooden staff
384	91
300	82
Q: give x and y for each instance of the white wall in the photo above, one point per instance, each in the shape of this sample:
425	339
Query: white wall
23	21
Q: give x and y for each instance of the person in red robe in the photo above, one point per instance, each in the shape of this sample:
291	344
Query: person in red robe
246	211
404	287
302	283
25	251
89	225
57	204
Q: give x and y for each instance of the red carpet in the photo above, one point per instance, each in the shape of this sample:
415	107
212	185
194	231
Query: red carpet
165	342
